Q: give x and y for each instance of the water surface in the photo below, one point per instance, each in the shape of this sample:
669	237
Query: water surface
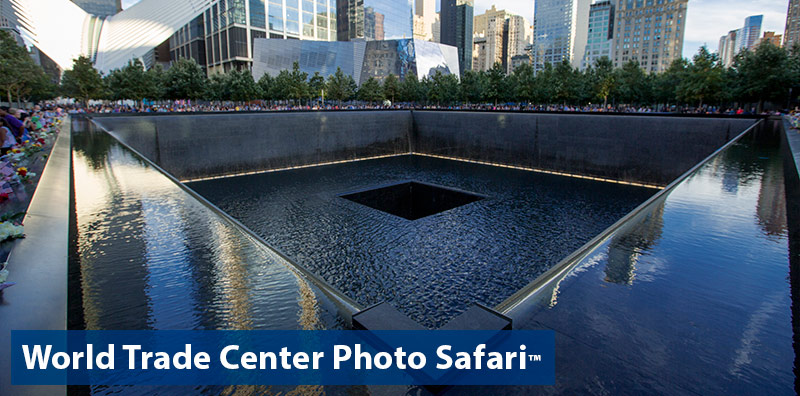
435	267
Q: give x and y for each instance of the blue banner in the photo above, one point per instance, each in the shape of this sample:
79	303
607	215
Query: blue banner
283	358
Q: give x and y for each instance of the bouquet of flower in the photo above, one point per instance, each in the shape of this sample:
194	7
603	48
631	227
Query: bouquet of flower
10	231
3	277
23	174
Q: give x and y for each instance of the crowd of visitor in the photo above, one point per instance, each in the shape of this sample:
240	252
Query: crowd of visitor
187	107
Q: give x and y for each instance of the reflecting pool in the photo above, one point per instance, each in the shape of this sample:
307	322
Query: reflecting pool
433	267
693	296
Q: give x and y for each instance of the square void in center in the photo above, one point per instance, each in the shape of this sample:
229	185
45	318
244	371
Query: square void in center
413	200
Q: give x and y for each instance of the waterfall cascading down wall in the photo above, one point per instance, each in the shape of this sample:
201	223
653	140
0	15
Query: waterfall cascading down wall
640	149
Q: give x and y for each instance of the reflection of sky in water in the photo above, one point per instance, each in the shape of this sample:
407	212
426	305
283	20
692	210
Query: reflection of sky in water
692	296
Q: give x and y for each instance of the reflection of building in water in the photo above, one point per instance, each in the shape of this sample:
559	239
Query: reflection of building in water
771	207
626	247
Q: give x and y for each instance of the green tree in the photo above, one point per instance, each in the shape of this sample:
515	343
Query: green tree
605	81
634	86
218	88
185	79
281	84
370	91
443	88
666	84
565	90
134	82
156	89
242	86
82	82
411	89
704	79
316	85
523	79
473	86
20	77
498	87
266	85
391	87
340	86
298	85
762	75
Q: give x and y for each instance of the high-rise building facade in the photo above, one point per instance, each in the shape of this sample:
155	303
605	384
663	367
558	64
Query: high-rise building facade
491	45
772	38
456	29
374	19
222	38
498	37
437	29
425	11
560	31
480	23
738	40
650	32
792	33
728	47
751	32
101	8
601	33
518	38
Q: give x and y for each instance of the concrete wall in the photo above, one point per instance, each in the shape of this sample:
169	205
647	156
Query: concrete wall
220	144
643	149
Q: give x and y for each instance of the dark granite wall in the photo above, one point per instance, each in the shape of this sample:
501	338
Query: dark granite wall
212	145
644	149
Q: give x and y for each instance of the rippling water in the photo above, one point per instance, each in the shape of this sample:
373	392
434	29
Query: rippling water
435	267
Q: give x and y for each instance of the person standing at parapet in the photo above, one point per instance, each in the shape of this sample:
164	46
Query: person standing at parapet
17	127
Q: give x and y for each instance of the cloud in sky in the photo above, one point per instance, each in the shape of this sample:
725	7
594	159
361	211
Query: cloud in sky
707	20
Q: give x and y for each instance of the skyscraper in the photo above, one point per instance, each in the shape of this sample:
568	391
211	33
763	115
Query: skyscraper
601	33
499	36
792	33
650	32
222	37
560	31
373	19
518	38
480	22
456	29
490	43
426	11
751	32
727	47
101	8
737	40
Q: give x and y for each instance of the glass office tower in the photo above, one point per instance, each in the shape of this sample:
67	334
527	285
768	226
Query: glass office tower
222	38
375	19
457	29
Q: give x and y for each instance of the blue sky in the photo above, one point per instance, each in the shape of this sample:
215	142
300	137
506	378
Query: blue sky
707	21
